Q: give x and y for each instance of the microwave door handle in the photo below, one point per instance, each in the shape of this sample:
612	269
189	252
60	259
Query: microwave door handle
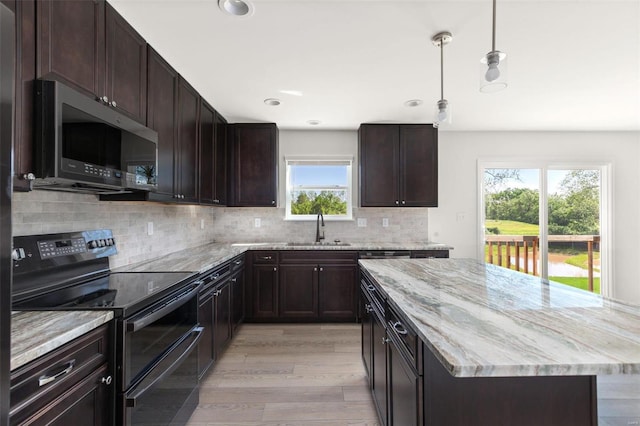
138	323
184	349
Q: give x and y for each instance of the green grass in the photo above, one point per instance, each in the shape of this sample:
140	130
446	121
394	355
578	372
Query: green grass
582	260
578	282
511	227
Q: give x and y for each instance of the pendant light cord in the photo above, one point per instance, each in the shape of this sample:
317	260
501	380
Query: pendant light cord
493	35
442	69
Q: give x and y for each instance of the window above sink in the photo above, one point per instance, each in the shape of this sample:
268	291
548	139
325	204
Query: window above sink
315	184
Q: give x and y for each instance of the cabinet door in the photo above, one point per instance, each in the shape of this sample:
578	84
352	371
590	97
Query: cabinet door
418	166
404	390
337	291
207	155
205	346
237	299
298	291
161	117
187	151
265	291
366	307
25	73
222	322
70	43
87	403
126	66
379	175
379	379
220	160
254	174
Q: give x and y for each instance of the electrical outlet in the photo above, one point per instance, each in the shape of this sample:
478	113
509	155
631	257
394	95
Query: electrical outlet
257	222
149	228
460	217
362	222
385	222
201	223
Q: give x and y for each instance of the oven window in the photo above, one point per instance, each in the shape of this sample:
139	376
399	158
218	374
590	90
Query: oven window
143	347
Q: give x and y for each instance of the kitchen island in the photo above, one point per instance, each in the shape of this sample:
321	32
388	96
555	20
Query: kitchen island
503	348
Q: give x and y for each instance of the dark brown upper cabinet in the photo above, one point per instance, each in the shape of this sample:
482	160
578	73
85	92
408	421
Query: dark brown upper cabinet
254	165
25	73
213	156
186	150
90	47
398	165
162	117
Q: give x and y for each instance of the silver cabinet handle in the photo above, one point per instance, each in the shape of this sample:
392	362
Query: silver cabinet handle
106	380
44	379
370	287
233	280
385	340
399	328
238	262
367	308
265	257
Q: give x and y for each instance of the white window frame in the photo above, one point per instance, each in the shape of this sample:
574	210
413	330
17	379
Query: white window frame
606	208
319	160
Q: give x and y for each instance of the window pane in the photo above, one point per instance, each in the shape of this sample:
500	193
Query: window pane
329	202
315	175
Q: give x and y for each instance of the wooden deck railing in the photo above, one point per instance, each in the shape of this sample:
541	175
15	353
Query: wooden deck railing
528	245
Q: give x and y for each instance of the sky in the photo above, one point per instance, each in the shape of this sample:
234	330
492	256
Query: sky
529	178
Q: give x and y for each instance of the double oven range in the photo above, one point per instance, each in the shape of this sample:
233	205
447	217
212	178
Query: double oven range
156	326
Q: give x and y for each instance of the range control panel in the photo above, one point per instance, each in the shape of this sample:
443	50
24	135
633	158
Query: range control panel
37	252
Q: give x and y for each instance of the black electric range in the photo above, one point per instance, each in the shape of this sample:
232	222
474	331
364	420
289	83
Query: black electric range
69	271
155	331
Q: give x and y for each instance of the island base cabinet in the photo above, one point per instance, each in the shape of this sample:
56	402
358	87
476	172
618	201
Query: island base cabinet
405	390
506	401
379	367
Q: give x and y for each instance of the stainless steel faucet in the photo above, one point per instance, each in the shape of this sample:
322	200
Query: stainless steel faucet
319	220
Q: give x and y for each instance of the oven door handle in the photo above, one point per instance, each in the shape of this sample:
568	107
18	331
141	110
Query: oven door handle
136	324
165	366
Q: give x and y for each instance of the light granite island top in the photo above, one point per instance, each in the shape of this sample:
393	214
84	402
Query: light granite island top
35	333
481	320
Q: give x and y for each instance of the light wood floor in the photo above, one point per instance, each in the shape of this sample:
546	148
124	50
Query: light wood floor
312	375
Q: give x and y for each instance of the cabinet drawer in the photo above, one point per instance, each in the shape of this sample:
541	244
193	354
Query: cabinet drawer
428	254
318	256
373	291
34	385
213	277
237	263
264	257
407	339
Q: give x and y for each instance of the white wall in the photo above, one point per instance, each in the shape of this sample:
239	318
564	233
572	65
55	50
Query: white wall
455	221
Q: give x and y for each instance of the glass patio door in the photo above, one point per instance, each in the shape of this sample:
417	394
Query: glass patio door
545	221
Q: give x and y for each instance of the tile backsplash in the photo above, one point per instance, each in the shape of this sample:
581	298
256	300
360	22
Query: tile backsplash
178	227
175	227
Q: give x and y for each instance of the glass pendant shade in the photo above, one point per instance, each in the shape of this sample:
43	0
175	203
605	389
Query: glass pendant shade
442	114
493	72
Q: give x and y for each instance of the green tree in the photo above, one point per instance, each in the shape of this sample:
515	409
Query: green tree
519	204
311	202
576	209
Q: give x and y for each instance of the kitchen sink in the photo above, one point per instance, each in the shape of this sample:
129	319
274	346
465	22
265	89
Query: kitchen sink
322	243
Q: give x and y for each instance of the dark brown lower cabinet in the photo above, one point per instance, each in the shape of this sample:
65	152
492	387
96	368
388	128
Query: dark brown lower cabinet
222	318
237	298
379	363
366	336
264	295
337	291
404	387
205	318
72	385
298	291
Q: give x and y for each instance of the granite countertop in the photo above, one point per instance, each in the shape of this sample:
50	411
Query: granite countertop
35	333
201	259
483	320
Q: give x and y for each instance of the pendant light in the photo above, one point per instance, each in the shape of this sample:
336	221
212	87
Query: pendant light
493	66
443	111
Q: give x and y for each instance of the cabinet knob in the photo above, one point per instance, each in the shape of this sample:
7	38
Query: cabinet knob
397	202
275	269
367	308
385	340
315	269
321	269
233	280
273	202
104	99
113	104
106	380
403	203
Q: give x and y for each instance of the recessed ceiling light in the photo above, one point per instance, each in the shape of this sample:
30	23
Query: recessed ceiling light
272	101
314	122
235	7
413	103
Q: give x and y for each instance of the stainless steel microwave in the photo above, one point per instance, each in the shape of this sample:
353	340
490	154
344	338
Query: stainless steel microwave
82	145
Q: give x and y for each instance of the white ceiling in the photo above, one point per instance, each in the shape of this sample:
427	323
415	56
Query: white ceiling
573	65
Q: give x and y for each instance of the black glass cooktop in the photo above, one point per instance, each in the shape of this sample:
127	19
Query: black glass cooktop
121	292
